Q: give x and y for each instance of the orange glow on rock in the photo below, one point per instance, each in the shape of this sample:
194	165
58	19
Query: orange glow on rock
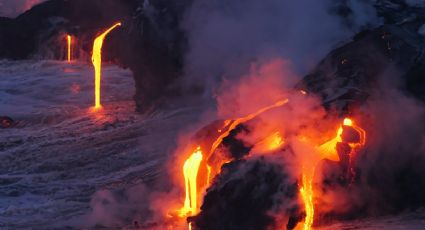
232	126
97	62
270	143
209	164
192	164
326	151
274	141
362	133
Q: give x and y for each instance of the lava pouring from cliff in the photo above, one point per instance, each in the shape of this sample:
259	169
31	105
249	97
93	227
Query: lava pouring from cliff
97	62
69	46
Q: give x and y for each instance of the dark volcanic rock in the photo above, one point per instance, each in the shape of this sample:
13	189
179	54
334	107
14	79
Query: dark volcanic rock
348	74
236	147
152	45
391	54
245	194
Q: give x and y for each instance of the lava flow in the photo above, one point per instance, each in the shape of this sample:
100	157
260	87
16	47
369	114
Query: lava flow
211	164
192	164
97	62
190	172
232	126
69	40
326	151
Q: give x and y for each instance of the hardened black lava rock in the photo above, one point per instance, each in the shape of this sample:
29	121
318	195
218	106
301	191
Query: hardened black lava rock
236	147
347	75
245	195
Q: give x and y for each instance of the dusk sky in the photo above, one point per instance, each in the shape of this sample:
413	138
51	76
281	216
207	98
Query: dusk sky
12	8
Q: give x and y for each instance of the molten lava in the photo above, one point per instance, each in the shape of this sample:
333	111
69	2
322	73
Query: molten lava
245	119
97	62
190	172
348	122
232	126
269	144
272	142
69	40
192	164
326	151
307	196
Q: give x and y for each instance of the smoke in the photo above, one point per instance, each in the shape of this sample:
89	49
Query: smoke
389	170
251	53
12	8
117	208
264	84
225	37
394	163
248	195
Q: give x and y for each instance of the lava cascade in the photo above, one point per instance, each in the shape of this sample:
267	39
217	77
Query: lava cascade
69	43
97	62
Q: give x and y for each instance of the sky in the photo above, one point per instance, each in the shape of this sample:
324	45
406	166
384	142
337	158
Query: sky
12	8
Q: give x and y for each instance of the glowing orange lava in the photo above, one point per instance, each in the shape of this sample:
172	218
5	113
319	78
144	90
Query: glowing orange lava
270	143
362	142
307	196
192	164
232	126
326	151
69	39
97	62
190	172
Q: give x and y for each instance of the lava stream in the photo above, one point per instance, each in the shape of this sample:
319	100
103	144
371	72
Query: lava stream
326	151
307	196
244	119
190	172
97	62
232	126
192	164
69	40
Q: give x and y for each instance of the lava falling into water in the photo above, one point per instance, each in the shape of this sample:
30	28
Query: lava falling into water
69	40
97	62
190	172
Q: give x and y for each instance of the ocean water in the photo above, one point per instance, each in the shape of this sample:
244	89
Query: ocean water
61	152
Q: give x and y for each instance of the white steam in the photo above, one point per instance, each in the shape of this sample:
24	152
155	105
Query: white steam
226	36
